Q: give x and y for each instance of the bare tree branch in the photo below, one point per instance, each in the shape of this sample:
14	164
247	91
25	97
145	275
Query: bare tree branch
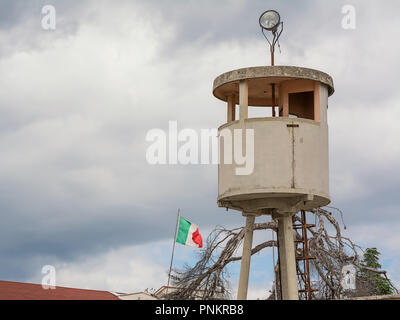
208	278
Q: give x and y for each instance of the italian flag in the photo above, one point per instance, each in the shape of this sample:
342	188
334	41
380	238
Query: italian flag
188	234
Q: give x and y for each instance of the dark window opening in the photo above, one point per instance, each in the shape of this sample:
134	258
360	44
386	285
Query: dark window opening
302	105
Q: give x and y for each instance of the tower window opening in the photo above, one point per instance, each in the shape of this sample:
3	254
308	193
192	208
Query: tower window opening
301	105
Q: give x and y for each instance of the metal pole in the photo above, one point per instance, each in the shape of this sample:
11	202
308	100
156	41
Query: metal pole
173	249
273	99
272	56
273	49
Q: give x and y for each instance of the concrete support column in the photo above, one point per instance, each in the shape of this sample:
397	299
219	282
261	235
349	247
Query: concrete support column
287	257
317	101
246	257
244	99
231	108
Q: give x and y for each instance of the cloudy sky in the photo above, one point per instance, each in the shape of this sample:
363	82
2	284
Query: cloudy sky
76	104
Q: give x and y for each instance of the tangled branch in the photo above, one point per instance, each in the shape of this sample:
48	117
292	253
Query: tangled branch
208	278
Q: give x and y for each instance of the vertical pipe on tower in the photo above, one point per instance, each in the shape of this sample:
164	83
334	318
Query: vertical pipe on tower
273	99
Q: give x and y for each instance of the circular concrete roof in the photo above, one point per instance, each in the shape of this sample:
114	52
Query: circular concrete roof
261	77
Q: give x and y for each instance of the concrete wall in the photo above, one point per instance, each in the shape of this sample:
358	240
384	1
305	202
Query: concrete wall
290	162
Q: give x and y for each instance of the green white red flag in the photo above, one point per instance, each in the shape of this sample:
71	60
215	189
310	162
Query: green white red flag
188	234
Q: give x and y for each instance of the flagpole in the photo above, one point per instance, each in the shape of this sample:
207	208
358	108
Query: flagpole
173	248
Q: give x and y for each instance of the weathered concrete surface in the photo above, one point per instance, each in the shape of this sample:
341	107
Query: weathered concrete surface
289	164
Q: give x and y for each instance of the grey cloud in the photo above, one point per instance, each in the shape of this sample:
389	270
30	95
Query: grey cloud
74	179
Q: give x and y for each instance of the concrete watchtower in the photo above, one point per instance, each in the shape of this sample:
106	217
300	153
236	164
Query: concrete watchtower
291	163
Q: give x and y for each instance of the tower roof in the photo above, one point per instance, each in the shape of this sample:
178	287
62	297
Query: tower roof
260	79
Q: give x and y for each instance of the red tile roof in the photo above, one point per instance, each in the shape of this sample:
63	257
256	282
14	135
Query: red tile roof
10	290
